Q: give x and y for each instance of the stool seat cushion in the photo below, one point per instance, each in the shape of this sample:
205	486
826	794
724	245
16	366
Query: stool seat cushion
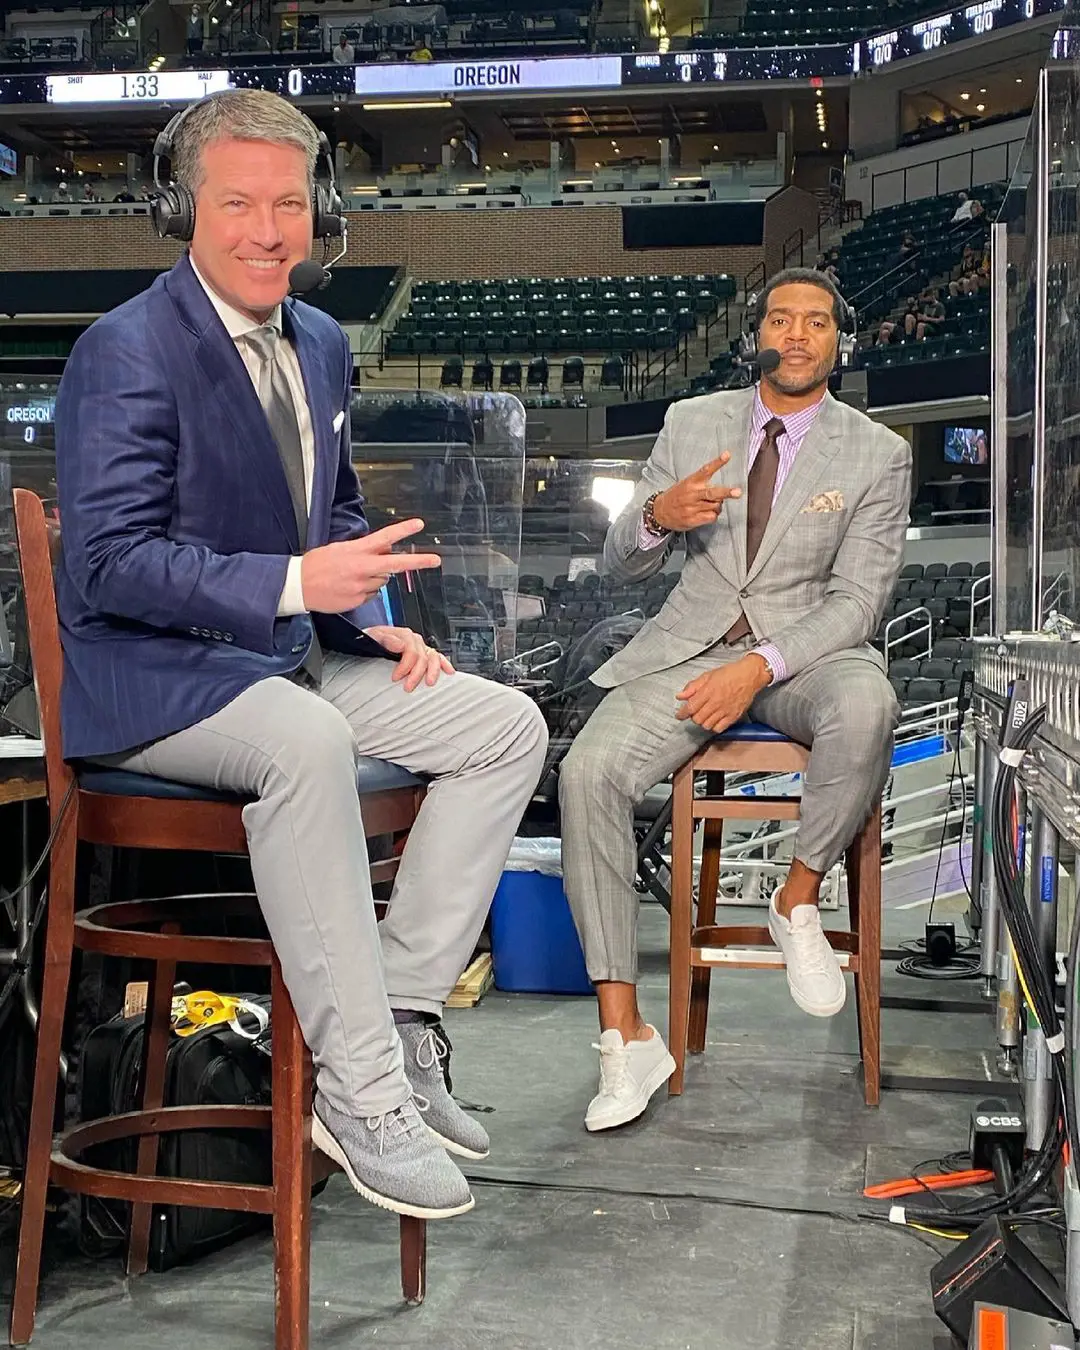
752	731
372	775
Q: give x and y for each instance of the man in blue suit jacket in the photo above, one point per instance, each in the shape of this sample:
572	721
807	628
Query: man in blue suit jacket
220	622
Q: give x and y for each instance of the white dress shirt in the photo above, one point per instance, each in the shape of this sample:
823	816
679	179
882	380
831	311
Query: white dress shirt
236	324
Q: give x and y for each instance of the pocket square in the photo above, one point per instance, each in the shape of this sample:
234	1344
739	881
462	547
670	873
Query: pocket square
338	421
824	501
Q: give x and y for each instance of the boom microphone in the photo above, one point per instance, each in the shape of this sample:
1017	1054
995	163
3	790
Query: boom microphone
307	276
766	360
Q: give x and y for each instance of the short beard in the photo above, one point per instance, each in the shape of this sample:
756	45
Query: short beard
818	376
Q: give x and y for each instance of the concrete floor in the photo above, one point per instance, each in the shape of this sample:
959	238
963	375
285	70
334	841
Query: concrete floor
725	1220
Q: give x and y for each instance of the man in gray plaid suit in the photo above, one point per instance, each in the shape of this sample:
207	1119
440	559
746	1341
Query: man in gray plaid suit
793	509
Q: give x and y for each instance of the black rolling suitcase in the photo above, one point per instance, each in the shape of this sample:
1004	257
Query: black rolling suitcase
214	1066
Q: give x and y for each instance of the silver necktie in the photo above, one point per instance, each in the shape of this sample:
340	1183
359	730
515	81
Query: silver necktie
277	401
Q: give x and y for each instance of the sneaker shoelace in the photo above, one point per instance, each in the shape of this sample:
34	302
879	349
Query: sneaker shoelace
433	1052
812	947
399	1123
614	1069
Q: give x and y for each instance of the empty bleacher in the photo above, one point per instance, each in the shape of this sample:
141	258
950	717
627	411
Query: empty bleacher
544	316
937	609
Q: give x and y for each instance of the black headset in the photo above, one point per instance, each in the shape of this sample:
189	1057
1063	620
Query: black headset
847	339
173	208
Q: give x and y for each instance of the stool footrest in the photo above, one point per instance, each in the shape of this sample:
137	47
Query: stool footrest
67	1171
737	946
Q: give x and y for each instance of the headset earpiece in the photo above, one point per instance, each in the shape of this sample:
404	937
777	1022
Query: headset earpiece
327	205
173	208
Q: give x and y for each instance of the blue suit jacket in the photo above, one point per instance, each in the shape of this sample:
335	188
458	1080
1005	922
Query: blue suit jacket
176	518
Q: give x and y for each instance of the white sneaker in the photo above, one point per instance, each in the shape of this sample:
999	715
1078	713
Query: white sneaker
630	1072
813	972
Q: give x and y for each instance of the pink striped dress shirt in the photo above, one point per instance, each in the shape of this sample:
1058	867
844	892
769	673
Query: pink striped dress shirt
796	425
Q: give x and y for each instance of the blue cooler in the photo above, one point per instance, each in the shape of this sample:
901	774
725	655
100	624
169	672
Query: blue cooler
534	944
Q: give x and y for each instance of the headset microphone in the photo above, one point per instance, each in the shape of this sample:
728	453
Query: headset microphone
307	276
766	360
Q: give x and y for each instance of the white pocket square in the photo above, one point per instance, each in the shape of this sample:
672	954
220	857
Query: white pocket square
338	421
824	501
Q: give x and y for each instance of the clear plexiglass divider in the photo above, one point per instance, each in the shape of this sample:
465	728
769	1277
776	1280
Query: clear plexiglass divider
1036	375
521	595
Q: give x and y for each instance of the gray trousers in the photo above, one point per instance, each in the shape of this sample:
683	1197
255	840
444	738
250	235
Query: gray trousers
295	750
845	710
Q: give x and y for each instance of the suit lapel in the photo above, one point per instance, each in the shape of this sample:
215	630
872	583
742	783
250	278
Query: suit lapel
814	455
733	435
231	385
228	381
321	405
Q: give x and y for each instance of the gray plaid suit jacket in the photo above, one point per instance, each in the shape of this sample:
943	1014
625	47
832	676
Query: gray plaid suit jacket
826	566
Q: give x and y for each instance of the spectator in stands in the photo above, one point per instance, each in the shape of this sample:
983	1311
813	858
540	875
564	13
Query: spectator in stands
88	193
344	53
194	31
968	209
61	194
211	512
421	51
124	196
929	316
815	497
967	279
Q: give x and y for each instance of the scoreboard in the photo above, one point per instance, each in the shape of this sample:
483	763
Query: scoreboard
943	30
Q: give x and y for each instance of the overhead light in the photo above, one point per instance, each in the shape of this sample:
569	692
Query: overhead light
417	103
824	145
614	142
716	147
1019	79
965	94
820	94
980	107
506	154
982	91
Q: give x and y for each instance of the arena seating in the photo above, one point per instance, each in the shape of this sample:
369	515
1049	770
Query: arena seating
767	23
927	667
966	329
560	314
871	251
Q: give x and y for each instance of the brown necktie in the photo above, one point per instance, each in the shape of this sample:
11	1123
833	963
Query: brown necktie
760	486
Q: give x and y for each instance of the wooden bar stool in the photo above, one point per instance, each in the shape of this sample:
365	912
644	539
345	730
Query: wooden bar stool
127	810
696	948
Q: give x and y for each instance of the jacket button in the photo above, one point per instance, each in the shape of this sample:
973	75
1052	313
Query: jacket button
217	636
205	632
228	637
743	595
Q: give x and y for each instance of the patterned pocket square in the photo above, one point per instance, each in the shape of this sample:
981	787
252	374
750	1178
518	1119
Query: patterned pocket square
824	501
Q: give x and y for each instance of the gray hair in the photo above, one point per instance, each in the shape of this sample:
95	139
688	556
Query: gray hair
803	276
242	115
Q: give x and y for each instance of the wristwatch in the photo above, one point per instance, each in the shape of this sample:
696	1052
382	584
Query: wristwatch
649	519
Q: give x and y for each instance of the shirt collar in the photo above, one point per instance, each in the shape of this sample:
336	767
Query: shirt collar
236	324
762	414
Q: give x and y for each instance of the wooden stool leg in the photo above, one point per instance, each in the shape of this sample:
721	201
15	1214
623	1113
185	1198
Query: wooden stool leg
708	885
59	948
682	900
291	1126
413	1259
868	979
155	1049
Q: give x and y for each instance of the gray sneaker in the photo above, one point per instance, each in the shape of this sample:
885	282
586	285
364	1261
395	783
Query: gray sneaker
392	1160
427	1067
